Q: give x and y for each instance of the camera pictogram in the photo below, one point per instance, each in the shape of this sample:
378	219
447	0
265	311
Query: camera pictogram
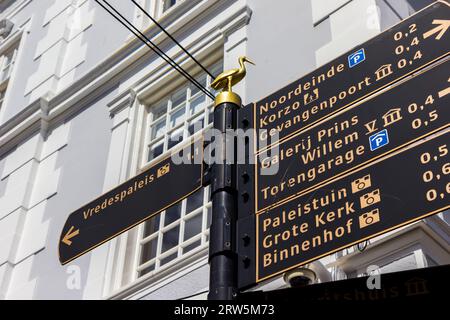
369	218
163	170
370	198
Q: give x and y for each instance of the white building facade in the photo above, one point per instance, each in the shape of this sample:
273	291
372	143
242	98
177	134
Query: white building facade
84	106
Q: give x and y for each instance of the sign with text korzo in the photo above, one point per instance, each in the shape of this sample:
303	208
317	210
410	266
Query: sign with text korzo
162	185
409	46
391	193
363	133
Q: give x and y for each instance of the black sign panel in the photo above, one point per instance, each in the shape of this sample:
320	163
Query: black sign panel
407	47
418	285
157	188
361	134
387	195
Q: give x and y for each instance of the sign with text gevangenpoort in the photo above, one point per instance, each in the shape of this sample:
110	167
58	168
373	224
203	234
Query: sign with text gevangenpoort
389	194
162	185
363	133
396	53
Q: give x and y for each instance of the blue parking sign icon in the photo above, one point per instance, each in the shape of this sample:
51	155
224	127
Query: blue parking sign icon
379	140
356	58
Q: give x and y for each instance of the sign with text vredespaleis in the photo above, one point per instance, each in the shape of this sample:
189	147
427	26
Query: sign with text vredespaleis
363	133
396	53
389	194
162	185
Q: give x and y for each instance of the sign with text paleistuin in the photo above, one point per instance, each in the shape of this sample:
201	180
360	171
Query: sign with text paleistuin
389	194
363	133
162	185
396	53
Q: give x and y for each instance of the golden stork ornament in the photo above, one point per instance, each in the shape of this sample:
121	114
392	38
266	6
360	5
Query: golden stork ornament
226	80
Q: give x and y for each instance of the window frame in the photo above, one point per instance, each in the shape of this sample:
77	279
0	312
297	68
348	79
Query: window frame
188	119
14	42
124	257
129	111
182	243
161	6
155	9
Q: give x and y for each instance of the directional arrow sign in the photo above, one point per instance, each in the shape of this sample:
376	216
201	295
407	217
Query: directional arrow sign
69	235
411	45
439	31
162	185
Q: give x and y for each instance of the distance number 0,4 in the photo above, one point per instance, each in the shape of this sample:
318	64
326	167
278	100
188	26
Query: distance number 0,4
432	115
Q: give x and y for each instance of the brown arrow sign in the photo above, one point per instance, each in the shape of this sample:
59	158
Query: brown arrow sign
440	30
69	235
157	188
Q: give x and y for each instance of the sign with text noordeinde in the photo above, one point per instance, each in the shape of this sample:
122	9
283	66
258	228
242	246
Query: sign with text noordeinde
398	52
162	185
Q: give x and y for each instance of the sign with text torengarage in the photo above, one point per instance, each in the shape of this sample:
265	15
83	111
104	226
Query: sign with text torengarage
162	185
384	196
363	133
396	53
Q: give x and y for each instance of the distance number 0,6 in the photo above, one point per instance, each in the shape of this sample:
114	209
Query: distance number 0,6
429	176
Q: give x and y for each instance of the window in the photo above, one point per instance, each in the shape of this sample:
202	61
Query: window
184	227
5	4
178	117
156	8
7	61
167	4
176	232
2	97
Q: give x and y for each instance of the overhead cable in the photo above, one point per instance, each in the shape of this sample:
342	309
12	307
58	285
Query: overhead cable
154	47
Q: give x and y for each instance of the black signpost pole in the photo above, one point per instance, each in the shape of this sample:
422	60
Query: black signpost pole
222	256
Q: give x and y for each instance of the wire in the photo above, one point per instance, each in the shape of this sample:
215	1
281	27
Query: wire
362	246
171	37
155	48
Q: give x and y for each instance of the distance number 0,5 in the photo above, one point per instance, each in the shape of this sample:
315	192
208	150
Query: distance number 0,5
429	176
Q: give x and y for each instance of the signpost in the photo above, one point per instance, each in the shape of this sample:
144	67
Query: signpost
133	202
362	150
398	52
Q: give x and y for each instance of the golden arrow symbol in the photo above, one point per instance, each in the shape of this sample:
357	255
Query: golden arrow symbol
444	92
69	235
442	27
